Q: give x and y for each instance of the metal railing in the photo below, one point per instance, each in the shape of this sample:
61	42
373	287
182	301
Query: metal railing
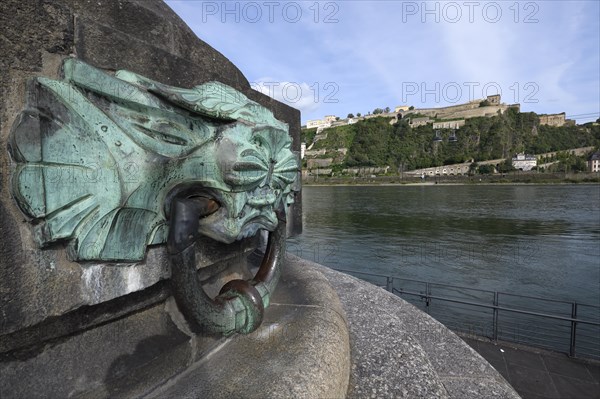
569	327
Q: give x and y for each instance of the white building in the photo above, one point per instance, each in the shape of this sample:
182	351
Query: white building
449	124
321	123
401	108
524	162
594	162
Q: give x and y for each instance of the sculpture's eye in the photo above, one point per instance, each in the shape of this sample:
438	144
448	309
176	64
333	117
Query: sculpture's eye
261	157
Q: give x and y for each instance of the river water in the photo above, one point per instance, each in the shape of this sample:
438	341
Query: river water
535	240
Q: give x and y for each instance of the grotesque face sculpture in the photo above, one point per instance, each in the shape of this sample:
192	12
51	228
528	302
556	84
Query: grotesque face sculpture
99	159
257	162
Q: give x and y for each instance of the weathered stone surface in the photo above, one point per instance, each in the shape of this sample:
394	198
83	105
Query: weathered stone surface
301	350
94	329
477	388
43	26
104	47
117	359
396	350
399	351
43	285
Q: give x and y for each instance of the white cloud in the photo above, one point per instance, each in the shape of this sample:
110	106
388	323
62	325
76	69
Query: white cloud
299	95
374	48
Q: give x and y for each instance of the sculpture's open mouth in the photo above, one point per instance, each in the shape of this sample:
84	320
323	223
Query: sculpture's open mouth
209	204
228	216
196	193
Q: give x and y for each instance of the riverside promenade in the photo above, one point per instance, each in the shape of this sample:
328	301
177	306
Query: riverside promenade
532	372
536	373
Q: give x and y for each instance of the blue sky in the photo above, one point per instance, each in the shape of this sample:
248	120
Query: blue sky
340	57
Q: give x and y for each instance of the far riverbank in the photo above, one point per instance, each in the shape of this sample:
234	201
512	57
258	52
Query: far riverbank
509	178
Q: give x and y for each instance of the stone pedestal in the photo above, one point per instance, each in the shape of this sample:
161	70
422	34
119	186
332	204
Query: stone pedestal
79	327
300	350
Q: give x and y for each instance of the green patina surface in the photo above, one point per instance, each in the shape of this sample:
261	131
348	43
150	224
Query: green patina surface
97	156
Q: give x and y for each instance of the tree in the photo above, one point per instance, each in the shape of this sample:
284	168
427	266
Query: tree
377	111
387	110
411	108
370	146
484	103
579	165
473	168
506	166
350	116
308	135
337	118
358	114
485	169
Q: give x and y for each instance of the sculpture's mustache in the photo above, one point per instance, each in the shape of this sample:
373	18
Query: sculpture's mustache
226	228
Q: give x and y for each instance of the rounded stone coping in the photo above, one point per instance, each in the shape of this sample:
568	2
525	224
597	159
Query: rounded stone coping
326	331
301	350
401	352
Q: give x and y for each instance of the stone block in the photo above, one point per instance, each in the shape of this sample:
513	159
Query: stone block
45	284
123	358
30	27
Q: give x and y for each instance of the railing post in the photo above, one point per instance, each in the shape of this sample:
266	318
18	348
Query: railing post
495	332
390	284
427	293
573	329
506	308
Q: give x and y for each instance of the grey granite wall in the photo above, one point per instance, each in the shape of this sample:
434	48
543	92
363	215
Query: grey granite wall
45	297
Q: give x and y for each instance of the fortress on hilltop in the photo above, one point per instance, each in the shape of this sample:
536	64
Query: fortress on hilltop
450	117
327	156
440	117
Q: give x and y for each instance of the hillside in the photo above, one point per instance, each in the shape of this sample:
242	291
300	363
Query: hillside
374	142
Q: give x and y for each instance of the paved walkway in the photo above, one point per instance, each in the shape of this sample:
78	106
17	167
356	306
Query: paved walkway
537	374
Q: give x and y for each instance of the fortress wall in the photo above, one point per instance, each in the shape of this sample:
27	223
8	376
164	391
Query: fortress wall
314	153
454	169
319	162
445	110
480	111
